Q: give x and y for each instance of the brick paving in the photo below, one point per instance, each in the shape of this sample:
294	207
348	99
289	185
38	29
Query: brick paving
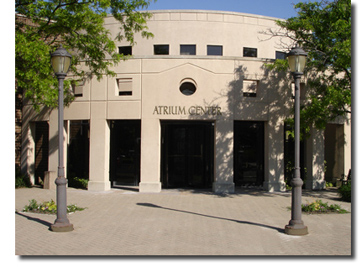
180	222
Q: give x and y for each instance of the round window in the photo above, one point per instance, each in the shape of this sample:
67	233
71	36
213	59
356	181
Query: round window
187	88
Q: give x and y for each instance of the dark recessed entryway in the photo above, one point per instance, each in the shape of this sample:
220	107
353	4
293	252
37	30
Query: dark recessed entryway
124	152
248	153
78	149
41	150
187	154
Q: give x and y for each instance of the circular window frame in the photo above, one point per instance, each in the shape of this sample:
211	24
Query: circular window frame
187	87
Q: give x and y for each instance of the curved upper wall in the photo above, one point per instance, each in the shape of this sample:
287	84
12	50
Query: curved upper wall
233	31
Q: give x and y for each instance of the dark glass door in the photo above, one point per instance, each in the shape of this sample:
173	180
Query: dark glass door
41	150
125	152
187	154
248	153
78	149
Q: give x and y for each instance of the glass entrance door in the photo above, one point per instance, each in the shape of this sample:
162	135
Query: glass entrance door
187	154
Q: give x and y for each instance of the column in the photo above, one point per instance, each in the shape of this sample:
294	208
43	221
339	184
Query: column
99	148
347	145
150	156
274	156
28	150
52	173
224	175
50	176
315	159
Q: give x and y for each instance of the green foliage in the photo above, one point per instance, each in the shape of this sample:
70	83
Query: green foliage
33	205
47	207
278	65
73	208
320	207
40	27
21	180
323	29
345	192
329	184
78	182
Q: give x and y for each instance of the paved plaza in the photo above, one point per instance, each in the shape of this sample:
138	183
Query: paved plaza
180	222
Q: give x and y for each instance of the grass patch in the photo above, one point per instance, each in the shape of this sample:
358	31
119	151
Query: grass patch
48	207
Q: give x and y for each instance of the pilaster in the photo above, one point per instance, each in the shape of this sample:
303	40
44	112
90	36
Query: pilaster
223	182
274	157
150	156
315	159
99	148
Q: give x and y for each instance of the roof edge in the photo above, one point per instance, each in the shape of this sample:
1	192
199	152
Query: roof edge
211	11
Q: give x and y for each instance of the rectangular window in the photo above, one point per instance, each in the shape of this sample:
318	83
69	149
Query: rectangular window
125	50
250	88
214	50
125	86
78	87
161	49
187	49
249	52
281	55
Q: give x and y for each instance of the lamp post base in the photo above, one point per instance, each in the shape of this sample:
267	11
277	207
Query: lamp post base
62	227
294	230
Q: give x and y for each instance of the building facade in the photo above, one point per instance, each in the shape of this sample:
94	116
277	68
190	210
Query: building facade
194	107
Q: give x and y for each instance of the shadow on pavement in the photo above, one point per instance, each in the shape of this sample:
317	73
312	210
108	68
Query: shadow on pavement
48	224
150	205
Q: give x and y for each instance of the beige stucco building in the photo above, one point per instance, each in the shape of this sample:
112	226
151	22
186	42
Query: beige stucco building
193	107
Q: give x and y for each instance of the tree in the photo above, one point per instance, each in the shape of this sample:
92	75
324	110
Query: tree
42	25
323	29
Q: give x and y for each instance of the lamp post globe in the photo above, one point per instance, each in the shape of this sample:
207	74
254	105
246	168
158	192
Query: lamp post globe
60	61
297	61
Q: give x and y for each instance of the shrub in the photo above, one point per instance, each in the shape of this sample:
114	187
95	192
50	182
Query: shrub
47	207
76	182
320	207
21	180
345	192
329	184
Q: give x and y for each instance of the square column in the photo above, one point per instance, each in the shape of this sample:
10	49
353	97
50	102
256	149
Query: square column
224	174
28	150
347	145
150	156
53	142
274	157
315	160
53	161
99	148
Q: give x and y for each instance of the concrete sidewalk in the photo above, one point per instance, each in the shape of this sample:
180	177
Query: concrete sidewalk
180	222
